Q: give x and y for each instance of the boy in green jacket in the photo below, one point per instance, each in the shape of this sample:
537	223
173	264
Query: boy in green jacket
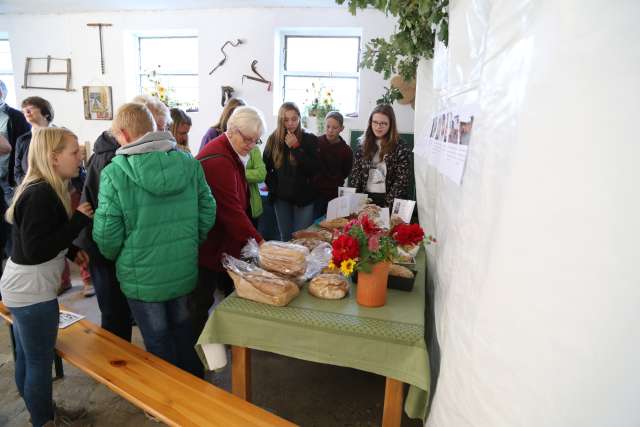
154	209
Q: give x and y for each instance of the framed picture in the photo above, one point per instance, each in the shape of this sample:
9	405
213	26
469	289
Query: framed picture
97	102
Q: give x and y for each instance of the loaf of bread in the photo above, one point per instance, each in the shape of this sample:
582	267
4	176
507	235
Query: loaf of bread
319	233
264	287
283	258
307	242
333	224
400	271
329	286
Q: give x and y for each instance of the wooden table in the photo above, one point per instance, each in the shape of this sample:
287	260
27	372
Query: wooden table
387	341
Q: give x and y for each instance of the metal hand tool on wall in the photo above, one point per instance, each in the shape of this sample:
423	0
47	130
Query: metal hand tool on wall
100	25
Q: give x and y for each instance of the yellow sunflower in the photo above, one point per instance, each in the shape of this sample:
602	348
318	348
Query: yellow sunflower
347	266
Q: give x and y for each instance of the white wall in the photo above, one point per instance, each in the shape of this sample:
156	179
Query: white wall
536	281
68	36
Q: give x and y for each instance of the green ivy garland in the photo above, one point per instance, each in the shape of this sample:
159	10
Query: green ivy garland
419	23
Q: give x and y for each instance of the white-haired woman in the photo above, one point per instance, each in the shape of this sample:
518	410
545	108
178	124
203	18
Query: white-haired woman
160	112
44	227
224	160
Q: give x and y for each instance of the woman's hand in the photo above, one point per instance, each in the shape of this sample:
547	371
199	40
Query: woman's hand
86	209
291	140
81	259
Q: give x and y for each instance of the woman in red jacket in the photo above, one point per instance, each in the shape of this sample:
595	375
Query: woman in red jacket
223	161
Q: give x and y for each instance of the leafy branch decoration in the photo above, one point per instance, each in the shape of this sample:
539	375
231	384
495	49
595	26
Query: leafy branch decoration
420	24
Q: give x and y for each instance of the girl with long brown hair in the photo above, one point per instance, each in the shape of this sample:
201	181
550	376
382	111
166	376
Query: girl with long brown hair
291	158
382	162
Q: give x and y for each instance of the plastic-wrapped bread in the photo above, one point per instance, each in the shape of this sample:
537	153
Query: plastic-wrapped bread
329	286
264	288
256	284
283	258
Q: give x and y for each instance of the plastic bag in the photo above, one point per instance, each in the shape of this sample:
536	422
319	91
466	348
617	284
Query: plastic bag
254	283
286	259
317	260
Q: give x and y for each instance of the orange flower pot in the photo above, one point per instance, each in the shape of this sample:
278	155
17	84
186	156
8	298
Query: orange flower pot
372	287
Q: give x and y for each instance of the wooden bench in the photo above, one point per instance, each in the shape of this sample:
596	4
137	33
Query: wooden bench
170	394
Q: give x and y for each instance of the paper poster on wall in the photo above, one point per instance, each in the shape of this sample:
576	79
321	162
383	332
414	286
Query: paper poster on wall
449	138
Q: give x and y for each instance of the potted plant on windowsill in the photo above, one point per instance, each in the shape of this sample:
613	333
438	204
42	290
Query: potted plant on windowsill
364	247
318	104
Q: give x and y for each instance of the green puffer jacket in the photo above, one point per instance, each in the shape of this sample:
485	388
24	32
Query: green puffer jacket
154	209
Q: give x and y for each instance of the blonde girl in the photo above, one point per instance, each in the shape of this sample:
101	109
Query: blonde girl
44	227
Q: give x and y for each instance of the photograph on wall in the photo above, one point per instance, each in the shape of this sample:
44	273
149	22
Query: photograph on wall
97	102
466	124
434	123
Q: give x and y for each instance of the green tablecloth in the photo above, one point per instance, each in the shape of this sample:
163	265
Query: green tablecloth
388	341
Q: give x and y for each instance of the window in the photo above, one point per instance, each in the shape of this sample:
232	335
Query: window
328	61
168	69
6	71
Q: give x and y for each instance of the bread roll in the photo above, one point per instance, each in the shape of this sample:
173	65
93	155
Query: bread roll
264	287
307	242
283	258
329	286
371	210
395	220
335	223
400	271
320	234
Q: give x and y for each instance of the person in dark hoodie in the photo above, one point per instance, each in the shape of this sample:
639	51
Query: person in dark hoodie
12	125
154	210
336	159
291	158
115	312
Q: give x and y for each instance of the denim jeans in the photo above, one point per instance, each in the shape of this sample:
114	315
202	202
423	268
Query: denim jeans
292	218
167	332
114	309
35	328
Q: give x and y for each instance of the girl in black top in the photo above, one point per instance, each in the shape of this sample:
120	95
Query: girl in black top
291	158
44	226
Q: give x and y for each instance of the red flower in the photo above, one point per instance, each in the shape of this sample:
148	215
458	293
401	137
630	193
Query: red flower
374	243
344	247
407	234
369	227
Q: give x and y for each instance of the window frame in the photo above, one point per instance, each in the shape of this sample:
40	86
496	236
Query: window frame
316	33
141	74
8	72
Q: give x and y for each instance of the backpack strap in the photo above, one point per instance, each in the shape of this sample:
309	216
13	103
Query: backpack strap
210	156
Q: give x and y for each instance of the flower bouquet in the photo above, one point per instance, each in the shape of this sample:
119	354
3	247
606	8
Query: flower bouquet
364	247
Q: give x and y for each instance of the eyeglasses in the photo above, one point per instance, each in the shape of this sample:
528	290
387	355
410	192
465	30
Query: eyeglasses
247	140
380	124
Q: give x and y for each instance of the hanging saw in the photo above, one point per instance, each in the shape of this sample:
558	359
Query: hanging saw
221	63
